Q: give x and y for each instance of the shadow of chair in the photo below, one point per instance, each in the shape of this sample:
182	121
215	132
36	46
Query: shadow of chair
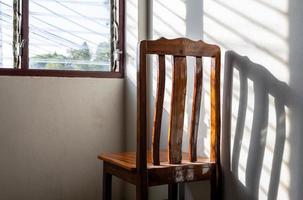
264	86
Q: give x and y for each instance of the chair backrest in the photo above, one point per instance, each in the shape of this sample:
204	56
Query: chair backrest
178	48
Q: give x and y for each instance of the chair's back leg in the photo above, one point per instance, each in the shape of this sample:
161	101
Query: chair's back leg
141	192
107	184
215	184
173	191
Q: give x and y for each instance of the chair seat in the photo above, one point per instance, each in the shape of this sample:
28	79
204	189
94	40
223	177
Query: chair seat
164	173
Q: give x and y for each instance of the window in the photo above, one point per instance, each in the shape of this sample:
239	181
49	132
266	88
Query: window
62	37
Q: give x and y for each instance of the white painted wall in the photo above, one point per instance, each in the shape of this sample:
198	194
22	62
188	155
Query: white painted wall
136	17
269	33
51	131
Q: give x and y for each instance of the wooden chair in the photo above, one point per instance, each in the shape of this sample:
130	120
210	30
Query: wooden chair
145	168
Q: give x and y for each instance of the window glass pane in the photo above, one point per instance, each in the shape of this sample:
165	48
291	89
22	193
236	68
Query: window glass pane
6	34
69	34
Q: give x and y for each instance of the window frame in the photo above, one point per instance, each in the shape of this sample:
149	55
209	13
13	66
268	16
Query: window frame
24	69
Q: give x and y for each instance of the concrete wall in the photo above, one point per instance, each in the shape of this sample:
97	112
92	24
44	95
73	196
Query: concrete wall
51	131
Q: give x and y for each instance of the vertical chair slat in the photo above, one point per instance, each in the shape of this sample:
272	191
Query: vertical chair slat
177	110
215	109
216	181
195	115
158	110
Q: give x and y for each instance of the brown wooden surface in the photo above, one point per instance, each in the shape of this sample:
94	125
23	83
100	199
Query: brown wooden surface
144	168
181	47
121	36
127	160
59	73
216	180
215	108
141	157
124	174
24	34
159	174
158	110
177	110
195	115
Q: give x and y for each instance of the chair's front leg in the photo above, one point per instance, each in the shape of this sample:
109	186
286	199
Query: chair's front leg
141	192
142	187
107	184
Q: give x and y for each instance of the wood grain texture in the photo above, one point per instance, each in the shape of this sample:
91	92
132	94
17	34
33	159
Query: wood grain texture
127	160
141	157
175	132
216	179
195	115
158	110
215	108
181	47
144	168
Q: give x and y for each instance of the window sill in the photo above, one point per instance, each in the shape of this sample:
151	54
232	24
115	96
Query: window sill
59	73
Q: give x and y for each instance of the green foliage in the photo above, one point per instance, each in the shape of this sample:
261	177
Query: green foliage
103	52
82	54
48	65
50	56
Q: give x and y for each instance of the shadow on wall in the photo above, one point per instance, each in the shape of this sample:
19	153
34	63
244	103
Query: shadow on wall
258	153
296	82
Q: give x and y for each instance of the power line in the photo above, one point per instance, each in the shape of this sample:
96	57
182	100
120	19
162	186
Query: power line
71	16
56	27
32	27
43	30
89	3
68	61
63	30
47	32
80	14
5	4
37	34
63	17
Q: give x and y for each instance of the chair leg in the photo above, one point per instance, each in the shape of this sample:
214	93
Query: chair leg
173	191
214	185
141	192
107	185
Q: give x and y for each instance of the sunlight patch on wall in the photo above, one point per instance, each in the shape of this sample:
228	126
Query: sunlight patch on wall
253	28
205	117
281	6
168	22
131	39
235	107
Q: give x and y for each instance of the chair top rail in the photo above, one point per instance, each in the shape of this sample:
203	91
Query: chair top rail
180	47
